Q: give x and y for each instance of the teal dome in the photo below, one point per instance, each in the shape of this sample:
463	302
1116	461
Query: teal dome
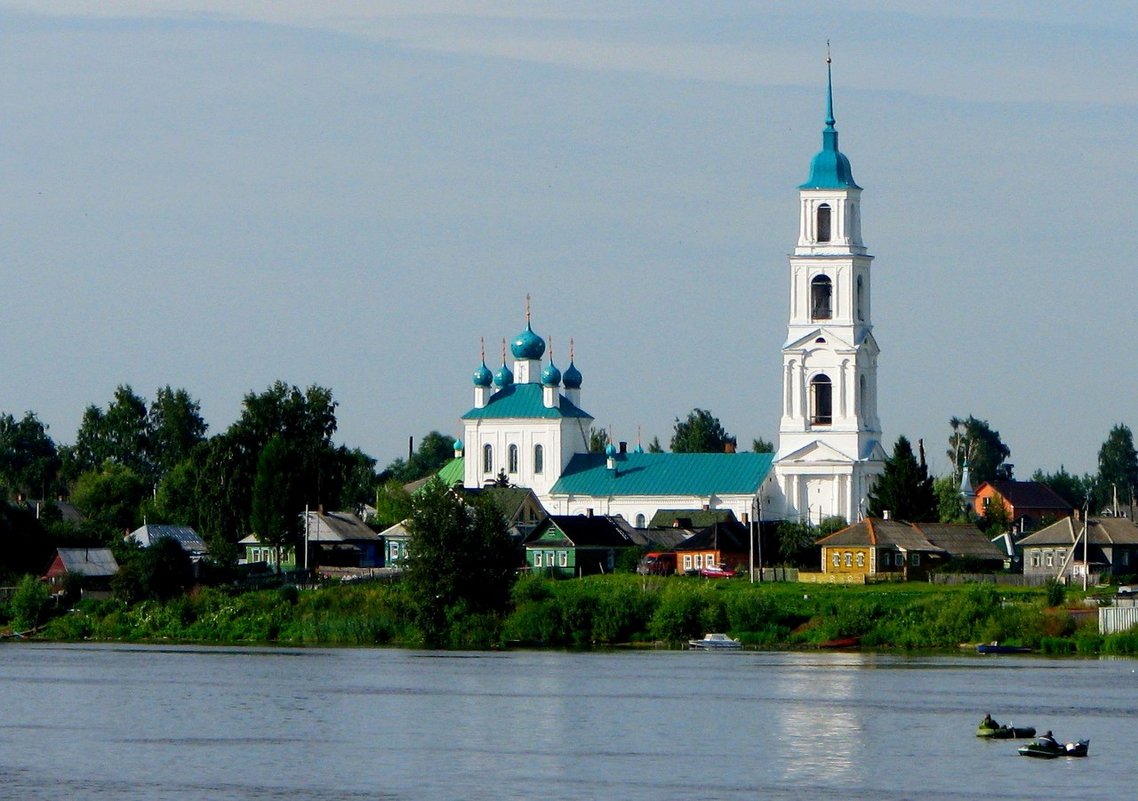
610	450
482	376
572	377
830	169
551	376
528	345
504	377
458	445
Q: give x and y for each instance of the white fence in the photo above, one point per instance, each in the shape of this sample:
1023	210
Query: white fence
1113	619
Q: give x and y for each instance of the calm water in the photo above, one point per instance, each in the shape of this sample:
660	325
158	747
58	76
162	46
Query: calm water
127	722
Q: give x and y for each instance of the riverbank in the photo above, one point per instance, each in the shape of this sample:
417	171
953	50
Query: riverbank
611	610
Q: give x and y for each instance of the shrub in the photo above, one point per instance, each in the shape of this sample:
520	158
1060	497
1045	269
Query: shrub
29	603
1055	592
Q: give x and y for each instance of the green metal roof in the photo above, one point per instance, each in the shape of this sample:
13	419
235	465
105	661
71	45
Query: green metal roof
665	474
523	401
452	472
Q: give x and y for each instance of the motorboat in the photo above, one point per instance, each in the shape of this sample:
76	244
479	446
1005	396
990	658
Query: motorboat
1044	748
715	642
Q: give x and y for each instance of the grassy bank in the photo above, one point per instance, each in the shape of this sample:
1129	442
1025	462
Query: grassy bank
611	610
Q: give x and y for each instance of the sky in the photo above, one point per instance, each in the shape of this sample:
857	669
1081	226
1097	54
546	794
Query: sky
219	195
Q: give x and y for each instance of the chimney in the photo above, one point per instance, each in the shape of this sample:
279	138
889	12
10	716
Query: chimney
588	512
728	447
624	447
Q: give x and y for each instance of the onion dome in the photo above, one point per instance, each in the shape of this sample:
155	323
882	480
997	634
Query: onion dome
551	376
528	345
572	377
482	376
610	450
504	377
457	445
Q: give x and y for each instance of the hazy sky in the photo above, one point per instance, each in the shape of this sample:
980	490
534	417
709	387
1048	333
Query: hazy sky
217	195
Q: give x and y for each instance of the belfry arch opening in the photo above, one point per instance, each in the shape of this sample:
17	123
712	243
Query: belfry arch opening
821	295
821	400
824	217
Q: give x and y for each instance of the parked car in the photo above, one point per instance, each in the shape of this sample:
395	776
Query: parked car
716	572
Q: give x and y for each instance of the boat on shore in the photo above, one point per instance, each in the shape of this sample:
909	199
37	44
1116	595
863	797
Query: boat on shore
841	642
715	642
998	648
1049	749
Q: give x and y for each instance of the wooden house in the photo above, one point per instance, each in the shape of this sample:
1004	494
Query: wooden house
1029	504
1111	549
575	545
720	545
879	547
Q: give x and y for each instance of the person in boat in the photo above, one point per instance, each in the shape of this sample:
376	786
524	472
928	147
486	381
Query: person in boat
988	723
1048	739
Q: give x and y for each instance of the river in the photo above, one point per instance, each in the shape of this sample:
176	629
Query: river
154	723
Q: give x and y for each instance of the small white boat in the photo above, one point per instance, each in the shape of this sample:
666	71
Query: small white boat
715	642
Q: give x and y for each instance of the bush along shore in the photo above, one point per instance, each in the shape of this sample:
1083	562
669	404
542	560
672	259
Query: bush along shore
605	611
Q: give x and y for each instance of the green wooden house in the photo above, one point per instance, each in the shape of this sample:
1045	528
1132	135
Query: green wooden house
575	545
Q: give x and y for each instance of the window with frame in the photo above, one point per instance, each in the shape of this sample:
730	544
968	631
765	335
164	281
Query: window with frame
538	459
537	558
487	458
698	561
549	558
687	561
849	559
640	520
836	559
821	294
1035	558
861	559
824	222
915	559
860	300
563	559
821	400
1050	559
512	458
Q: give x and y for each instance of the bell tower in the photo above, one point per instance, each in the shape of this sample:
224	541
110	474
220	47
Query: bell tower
829	448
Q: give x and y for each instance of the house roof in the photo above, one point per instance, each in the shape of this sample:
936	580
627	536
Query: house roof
1100	531
96	562
954	539
338	527
878	532
728	536
1028	494
509	500
700	474
582	531
522	402
397	531
689	518
185	536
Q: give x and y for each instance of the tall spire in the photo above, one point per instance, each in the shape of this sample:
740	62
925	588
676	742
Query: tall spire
829	93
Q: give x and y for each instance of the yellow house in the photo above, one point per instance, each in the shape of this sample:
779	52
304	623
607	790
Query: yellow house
879	547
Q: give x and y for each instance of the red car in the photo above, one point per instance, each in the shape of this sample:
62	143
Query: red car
716	572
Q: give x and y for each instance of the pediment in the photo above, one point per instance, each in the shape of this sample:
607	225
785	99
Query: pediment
809	341
817	451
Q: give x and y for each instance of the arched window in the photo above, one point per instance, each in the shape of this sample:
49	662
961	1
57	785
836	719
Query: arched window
538	459
821	290
860	300
824	222
821	401
487	458
640	520
513	458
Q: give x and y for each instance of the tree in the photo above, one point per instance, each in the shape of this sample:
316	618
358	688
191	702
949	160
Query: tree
159	572
392	503
111	498
175	427
761	445
904	488
949	504
1117	467
598	440
277	503
701	432
460	559
977	443
654	446
434	451
29	603
121	434
29	460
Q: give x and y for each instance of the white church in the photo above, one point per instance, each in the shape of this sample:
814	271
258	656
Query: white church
527	422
